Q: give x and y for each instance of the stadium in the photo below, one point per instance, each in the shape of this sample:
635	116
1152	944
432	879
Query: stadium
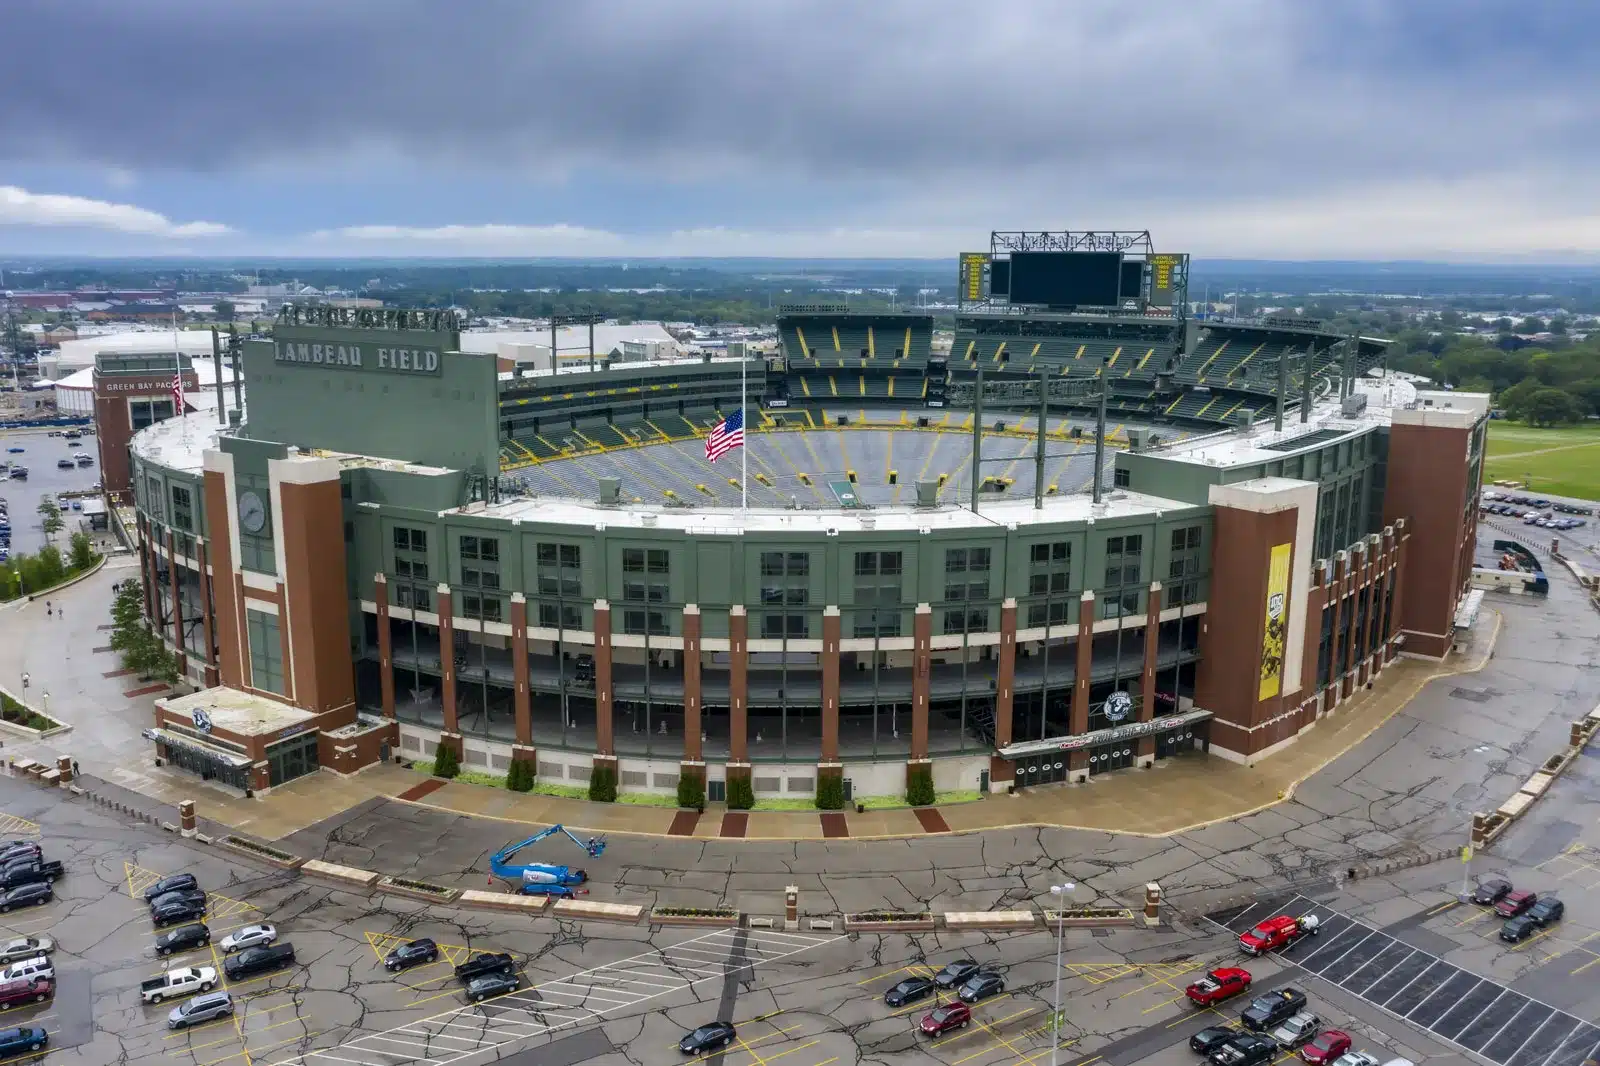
1094	534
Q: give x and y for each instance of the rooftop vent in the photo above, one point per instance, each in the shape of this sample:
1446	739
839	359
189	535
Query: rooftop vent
927	493
610	489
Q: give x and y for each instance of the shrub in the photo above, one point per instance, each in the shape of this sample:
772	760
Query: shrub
830	792
603	783
741	794
446	763
691	790
521	776
919	785
82	556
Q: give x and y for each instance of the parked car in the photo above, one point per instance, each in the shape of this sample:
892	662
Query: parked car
28	969
1244	1050
66	464
23	1038
1277	932
411	953
1297	1030
31	990
27	871
955	973
1491	891
175	883
34	893
945	1017
488	962
708	1037
1356	1058
14	450
1547	911
264	959
25	947
1265	1012
179	910
12	850
204	1008
1211	1037
1326	1047
909	990
175	983
1218	985
492	984
182	939
251	936
190	895
981	986
1514	903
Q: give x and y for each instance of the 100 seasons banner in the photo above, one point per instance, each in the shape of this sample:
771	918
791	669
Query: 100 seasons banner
1276	629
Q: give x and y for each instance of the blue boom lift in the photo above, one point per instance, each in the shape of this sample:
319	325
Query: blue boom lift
541	879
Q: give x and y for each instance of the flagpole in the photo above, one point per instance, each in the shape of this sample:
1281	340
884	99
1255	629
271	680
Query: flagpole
744	453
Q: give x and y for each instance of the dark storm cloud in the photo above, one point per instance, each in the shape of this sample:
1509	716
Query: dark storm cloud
897	90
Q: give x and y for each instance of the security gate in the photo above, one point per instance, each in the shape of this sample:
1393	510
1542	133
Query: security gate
1111	757
1044	769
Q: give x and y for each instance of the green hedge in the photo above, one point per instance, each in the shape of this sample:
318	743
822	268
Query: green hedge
522	776
17	714
830	792
691	791
603	784
919	785
446	763
741	794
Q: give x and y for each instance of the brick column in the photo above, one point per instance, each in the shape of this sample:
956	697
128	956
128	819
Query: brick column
380	594
451	734
921	664
207	621
1347	588
1336	589
1380	591
693	753
1363	582
738	688
831	625
1145	752
604	741
1003	771
177	601
1078	722
152	584
522	710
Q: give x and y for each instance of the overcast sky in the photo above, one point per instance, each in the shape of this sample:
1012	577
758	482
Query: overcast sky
1465	130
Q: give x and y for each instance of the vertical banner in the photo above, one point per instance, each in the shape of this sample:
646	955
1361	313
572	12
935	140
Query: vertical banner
973	267
1277	626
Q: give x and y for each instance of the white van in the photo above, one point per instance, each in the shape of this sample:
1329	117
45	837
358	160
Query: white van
28	969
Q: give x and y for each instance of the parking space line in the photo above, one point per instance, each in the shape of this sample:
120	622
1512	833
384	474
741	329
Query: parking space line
12	825
914	969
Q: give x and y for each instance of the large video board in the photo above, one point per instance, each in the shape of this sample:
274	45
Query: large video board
1066	279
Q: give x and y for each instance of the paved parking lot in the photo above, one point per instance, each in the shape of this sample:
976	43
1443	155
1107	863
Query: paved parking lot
44	479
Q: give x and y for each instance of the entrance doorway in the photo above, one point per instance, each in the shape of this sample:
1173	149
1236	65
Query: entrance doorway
1111	757
1046	769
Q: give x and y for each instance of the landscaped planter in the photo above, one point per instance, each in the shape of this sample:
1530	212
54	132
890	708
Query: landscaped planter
694	916
24	721
246	846
423	890
890	922
1090	917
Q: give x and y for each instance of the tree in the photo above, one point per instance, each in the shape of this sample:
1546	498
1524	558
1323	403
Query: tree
522	775
446	763
603	783
1531	324
127	616
741	793
1551	407
50	517
691	791
830	791
919	785
83	555
223	309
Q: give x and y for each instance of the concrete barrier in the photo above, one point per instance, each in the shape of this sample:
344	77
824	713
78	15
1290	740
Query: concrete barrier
958	920
1536	784
626	913
423	890
340	875
502	901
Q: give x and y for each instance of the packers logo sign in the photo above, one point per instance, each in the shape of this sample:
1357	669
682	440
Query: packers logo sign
1274	634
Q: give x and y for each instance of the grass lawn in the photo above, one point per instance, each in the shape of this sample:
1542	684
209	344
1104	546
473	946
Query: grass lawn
1561	462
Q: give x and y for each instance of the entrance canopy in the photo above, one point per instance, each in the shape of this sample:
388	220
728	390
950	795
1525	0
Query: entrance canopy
1099	737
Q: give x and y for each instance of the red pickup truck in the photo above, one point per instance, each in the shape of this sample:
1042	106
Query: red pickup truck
1218	985
1277	932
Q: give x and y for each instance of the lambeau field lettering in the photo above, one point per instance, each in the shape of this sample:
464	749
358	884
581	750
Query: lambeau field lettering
352	357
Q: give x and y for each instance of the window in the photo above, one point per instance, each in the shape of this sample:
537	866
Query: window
560	616
636	591
410	540
1123	560
780	626
1186	538
877	594
1120	478
962	563
485	549
475	578
785	564
1119	604
644	560
266	651
486	608
1054	613
418	599
415	570
153	497
641	622
966	561
970	621
878	564
1183	571
1050	567
558	570
182	508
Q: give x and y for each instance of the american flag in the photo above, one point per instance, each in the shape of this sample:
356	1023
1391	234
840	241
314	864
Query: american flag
728	435
177	393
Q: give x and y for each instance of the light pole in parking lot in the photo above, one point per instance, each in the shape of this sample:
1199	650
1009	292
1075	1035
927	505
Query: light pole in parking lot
1063	891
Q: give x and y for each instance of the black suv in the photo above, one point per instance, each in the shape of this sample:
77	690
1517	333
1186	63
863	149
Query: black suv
264	959
411	953
178	910
175	883
1266	1011
912	988
479	965
1245	1050
30	894
182	895
183	938
1211	1037
955	973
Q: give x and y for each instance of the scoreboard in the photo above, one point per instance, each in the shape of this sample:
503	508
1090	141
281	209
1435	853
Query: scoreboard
1107	272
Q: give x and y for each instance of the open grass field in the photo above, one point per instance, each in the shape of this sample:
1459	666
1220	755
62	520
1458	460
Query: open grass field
1561	462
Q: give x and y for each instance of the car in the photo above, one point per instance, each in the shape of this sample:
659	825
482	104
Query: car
12	850
1547	911
411	953
26	990
1244	1050
1211	1037
33	894
909	990
180	910
492	984
23	1038
1356	1058
203	1008
182	939
1514	903
182	895
955	973
1268	1010
14	450
486	962
945	1017
1518	929
28	969
1218	985
77	505
1277	932
981	986
249	937
709	1037
25	947
1297	1030
1326	1047
175	883
264	959
66	464
19	473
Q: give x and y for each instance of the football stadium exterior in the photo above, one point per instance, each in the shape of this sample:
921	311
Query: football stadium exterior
402	547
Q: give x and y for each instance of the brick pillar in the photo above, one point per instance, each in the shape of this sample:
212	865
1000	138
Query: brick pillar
604	740
738	689
693	753
451	734
64	768
831	625
1380	590
207	620
921	664
1003	771
152	585
1347	596
1078	722
1145	751
380	595
186	821
177	601
522	710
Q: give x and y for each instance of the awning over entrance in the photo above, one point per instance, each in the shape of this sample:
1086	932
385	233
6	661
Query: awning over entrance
1099	737
174	740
